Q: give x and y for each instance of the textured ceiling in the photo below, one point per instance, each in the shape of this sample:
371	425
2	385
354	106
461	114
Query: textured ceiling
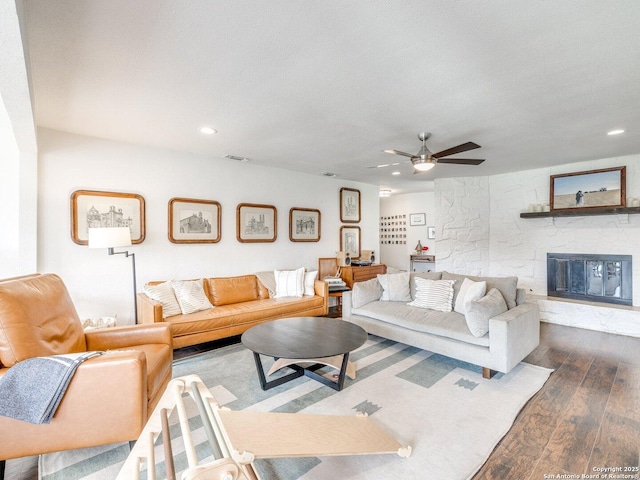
326	86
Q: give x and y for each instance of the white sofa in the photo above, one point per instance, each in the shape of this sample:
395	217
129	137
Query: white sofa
511	337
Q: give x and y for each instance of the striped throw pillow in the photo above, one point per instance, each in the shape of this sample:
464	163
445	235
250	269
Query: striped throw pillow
434	294
164	293
191	296
289	283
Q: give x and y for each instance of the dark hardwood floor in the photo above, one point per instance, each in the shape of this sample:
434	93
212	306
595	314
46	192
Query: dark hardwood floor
586	416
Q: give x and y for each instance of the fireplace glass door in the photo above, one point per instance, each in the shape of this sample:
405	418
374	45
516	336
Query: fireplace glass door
601	278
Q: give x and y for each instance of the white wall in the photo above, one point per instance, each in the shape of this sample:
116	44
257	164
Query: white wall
397	256
101	285
9	197
479	229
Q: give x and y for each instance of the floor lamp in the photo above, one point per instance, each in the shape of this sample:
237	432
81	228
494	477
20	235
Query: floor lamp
112	237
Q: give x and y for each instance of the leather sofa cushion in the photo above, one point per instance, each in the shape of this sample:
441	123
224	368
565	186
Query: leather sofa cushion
227	316
229	290
37	319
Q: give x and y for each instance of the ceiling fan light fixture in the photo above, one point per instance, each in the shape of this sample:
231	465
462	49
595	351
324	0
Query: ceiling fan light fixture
423	165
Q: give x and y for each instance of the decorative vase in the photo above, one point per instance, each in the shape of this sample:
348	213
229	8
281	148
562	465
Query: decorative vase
419	248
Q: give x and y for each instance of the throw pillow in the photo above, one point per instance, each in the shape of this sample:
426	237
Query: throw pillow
164	293
365	292
434	294
289	283
395	287
309	282
480	311
268	281
506	285
190	295
427	275
469	290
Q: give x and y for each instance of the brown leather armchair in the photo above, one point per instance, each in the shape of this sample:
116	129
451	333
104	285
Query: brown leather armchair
110	396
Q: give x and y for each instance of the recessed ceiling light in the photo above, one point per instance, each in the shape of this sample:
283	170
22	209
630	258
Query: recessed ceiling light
615	132
385	193
395	173
208	130
383	165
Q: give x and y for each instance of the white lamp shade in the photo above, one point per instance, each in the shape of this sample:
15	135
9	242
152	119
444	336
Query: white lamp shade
109	237
424	166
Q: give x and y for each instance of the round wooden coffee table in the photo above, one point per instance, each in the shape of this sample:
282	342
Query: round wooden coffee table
316	340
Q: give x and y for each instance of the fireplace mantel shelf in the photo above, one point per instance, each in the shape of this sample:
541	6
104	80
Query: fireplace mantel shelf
583	212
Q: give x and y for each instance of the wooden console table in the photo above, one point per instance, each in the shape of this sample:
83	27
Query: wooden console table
353	274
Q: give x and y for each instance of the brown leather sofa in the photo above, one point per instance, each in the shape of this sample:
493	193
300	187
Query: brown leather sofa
239	303
110	397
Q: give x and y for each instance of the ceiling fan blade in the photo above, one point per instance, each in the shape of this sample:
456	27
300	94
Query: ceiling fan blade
461	161
459	149
398	152
384	165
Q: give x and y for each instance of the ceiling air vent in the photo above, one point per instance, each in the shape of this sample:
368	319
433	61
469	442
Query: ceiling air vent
236	158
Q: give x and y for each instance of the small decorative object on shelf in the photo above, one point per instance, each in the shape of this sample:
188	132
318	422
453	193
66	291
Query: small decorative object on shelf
419	248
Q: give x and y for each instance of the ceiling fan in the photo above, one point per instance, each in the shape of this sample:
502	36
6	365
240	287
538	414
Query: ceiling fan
424	160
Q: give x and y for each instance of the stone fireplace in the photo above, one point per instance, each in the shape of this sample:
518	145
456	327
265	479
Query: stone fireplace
595	278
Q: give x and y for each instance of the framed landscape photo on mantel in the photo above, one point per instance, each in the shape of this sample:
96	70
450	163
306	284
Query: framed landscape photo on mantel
194	221
591	189
256	223
96	209
349	205
304	225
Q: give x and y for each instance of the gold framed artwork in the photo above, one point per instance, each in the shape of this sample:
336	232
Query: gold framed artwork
350	240
194	221
97	209
256	223
590	189
349	205
304	225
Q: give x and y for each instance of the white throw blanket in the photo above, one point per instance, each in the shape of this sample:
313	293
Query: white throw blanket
31	390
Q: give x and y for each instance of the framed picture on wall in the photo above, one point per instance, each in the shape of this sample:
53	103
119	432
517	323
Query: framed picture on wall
256	223
304	225
96	209
194	221
350	240
349	205
431	233
416	219
590	189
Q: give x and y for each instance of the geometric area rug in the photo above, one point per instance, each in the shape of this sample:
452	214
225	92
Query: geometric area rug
450	416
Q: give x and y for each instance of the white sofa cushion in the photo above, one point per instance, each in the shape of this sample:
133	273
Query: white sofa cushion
309	282
434	294
395	287
289	283
478	312
164	293
450	325
190	295
469	291
506	285
427	275
365	292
